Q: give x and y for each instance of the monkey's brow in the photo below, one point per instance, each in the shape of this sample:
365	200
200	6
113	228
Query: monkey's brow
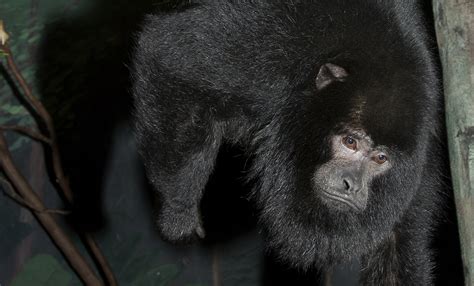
364	136
359	134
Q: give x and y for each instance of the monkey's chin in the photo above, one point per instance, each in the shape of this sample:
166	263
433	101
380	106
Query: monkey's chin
339	203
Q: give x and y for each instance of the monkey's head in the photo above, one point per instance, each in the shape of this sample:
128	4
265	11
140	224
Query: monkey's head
344	181
348	157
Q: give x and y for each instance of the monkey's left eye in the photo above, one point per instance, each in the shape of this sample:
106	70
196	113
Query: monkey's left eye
380	158
349	142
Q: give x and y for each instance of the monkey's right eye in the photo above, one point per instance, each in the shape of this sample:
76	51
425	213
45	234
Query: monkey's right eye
350	142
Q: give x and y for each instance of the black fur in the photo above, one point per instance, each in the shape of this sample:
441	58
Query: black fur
244	72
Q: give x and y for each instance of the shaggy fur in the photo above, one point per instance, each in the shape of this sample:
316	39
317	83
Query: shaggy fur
244	72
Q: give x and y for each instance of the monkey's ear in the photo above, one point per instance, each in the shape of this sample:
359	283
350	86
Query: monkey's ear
329	73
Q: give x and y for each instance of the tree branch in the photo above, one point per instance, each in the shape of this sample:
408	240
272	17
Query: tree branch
47	120
60	178
47	221
33	134
9	191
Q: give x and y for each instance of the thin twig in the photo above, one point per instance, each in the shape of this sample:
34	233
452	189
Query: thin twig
36	104
216	280
60	177
328	278
9	191
61	239
33	134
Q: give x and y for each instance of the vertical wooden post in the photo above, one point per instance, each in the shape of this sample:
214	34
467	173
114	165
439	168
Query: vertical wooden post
455	32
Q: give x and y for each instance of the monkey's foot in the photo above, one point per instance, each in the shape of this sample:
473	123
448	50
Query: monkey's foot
180	226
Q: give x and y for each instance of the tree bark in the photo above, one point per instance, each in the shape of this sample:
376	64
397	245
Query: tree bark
454	21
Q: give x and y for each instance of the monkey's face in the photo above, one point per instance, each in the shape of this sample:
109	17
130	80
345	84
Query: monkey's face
344	181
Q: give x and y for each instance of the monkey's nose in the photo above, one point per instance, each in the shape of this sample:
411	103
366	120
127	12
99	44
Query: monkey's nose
350	183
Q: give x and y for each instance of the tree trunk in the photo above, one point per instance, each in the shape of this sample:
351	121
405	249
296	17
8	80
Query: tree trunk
455	32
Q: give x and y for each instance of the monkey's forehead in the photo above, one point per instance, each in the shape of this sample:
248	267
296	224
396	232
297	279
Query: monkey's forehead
395	101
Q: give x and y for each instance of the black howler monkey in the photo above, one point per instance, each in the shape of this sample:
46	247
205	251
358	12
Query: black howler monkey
338	102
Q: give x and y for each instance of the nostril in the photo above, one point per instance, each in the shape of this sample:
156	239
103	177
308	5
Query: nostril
347	185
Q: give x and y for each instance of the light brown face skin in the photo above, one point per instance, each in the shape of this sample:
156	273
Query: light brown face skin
343	182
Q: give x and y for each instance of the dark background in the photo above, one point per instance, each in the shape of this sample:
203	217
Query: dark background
75	54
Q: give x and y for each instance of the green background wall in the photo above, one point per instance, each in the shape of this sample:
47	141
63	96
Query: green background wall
74	53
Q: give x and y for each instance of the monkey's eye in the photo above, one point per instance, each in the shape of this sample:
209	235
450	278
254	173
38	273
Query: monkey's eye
349	142
380	158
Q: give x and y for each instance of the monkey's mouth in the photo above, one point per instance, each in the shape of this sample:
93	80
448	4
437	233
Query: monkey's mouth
341	199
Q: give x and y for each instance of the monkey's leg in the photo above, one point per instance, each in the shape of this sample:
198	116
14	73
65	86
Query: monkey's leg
179	153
